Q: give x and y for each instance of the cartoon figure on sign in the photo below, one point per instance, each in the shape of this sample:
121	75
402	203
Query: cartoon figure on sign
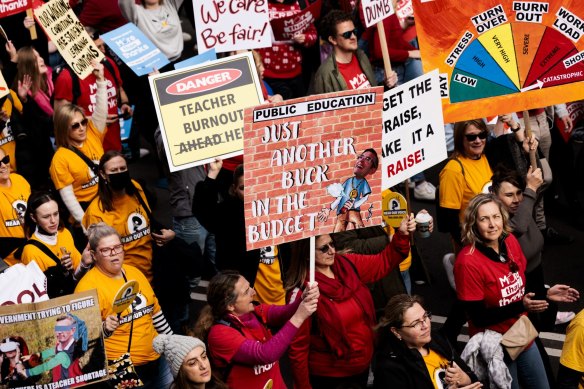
353	193
63	359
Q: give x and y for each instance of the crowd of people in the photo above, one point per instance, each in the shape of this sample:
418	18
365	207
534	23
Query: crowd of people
70	206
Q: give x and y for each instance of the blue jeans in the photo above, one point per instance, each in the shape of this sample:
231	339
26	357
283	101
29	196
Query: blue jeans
408	70
528	369
407	280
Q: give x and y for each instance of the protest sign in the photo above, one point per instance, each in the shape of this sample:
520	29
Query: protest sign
4	90
125	296
207	56
231	26
413	129
71	324
404	9
375	11
285	28
20	284
68	34
200	109
395	208
11	7
307	168
135	49
504	56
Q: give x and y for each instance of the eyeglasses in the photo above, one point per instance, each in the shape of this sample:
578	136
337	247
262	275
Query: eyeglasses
418	323
325	249
364	157
5	160
76	125
109	251
348	34
472	137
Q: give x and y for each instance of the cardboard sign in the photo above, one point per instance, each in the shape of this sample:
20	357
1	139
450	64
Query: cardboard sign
376	10
11	7
233	25
67	33
74	323
404	9
413	129
503	56
285	28
307	171
125	296
207	56
135	49
200	109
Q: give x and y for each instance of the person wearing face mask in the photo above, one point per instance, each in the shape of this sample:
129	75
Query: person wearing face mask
43	227
121	203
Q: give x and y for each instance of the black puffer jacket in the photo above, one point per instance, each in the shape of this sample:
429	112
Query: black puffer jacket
397	366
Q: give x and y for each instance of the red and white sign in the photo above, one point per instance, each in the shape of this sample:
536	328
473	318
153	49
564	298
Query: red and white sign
376	10
285	28
20	284
232	25
11	7
413	129
307	168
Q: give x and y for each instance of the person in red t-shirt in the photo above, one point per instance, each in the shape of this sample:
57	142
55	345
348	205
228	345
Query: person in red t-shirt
347	67
490	282
236	329
64	93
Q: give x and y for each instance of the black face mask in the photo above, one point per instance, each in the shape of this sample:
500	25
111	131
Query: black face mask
119	181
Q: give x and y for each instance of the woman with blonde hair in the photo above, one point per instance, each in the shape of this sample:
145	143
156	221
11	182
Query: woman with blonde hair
79	140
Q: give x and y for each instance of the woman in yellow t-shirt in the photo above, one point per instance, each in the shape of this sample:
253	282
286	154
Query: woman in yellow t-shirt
43	225
75	180
14	192
121	203
141	322
411	356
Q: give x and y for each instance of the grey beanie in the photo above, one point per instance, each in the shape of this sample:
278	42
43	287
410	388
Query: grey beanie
175	348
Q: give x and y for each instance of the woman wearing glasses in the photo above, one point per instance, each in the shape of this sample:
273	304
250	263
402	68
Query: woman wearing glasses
411	355
79	140
336	348
138	325
465	175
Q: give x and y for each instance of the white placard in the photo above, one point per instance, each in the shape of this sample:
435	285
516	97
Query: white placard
376	10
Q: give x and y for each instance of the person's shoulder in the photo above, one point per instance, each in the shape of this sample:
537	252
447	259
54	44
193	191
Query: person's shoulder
91	280
17	179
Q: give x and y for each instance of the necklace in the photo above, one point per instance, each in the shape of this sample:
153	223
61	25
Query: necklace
353	193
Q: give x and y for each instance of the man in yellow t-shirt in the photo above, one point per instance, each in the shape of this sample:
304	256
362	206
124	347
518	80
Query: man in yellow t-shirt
571	371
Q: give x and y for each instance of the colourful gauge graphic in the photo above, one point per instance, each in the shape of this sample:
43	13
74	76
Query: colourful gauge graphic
512	58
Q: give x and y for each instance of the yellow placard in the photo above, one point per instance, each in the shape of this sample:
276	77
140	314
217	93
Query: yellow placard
200	109
67	33
125	296
394	207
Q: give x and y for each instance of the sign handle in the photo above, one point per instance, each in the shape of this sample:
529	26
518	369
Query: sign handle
384	50
408	209
312	259
529	133
33	32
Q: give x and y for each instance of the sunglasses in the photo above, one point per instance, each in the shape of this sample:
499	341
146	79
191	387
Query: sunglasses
348	34
325	249
472	137
5	160
76	125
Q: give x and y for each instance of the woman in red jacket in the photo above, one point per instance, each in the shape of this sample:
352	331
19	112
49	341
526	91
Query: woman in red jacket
337	347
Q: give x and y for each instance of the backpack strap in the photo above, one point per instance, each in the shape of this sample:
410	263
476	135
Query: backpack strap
43	248
94	168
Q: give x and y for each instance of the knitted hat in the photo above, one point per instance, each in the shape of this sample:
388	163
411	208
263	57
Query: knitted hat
175	348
